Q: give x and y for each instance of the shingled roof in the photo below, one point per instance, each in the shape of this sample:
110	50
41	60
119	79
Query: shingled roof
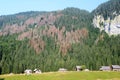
105	68
115	66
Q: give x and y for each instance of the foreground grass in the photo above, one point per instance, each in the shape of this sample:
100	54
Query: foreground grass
65	76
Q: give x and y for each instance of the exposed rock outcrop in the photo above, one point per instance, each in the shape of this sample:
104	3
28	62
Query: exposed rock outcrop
111	26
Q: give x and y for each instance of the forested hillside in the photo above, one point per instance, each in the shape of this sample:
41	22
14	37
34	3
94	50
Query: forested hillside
51	40
110	9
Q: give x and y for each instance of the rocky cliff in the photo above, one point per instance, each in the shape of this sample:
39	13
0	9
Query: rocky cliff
110	26
107	17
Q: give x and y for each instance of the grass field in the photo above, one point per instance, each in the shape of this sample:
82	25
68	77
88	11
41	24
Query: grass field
64	76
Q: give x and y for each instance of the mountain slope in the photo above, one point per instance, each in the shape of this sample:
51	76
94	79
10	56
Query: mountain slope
107	17
66	27
51	40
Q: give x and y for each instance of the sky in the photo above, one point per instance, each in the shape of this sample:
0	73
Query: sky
15	6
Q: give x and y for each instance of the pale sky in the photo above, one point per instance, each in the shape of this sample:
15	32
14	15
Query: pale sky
16	6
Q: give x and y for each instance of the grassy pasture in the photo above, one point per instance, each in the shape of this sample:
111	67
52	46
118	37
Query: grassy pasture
64	76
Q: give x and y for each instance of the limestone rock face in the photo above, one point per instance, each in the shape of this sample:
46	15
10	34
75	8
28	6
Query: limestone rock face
110	26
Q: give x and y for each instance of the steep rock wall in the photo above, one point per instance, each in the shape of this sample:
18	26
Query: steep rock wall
110	26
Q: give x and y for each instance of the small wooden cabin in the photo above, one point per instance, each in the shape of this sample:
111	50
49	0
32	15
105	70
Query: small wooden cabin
115	67
105	68
62	70
79	68
37	71
28	71
110	68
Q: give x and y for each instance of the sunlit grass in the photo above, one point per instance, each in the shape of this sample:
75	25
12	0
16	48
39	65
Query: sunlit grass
65	76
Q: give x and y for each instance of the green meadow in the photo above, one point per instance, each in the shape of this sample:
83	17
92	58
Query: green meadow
64	76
